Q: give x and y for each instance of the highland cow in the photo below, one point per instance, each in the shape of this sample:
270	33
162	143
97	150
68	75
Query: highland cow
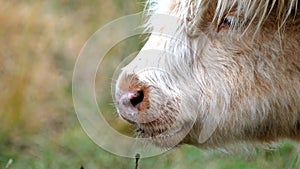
228	73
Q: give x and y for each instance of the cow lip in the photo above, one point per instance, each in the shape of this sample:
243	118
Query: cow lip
128	120
158	134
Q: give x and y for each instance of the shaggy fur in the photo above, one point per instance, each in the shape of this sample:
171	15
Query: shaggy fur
228	72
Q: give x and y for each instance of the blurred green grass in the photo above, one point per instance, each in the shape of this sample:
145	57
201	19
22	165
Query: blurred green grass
40	41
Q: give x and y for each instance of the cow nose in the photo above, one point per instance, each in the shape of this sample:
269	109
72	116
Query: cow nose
132	99
136	97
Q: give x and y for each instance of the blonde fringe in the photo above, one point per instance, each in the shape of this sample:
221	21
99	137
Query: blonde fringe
247	10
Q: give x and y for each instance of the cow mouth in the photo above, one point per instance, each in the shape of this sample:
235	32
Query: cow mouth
149	132
158	128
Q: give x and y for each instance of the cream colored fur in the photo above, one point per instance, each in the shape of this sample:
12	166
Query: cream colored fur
220	83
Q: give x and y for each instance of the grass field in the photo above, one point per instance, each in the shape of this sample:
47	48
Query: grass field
40	41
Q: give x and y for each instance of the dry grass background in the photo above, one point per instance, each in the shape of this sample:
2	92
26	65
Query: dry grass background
39	43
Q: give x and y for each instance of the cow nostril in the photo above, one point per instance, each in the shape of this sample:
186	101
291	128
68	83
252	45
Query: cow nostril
137	97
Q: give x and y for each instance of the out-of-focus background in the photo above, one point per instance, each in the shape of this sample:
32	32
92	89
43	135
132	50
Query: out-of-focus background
39	43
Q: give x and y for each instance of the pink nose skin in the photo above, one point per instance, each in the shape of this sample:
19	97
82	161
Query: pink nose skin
130	103
136	98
